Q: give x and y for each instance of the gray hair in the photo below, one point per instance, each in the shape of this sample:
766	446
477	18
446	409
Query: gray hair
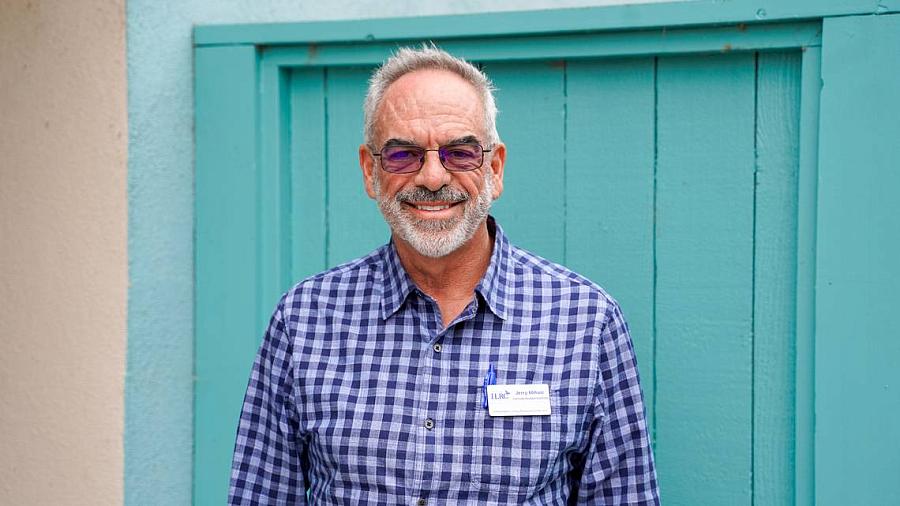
429	56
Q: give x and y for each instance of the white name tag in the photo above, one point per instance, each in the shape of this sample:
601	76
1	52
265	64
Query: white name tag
518	400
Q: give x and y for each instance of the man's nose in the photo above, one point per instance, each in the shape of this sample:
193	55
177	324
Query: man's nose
432	175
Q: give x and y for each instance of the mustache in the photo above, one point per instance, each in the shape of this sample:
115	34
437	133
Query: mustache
419	194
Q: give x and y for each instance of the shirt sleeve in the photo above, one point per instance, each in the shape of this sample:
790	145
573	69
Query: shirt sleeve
267	466
618	465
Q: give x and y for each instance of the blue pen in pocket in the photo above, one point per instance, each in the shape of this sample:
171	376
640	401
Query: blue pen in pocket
489	379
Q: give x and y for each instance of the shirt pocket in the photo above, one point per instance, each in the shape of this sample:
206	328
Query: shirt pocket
518	453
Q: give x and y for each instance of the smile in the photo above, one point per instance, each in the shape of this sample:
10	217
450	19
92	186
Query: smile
431	207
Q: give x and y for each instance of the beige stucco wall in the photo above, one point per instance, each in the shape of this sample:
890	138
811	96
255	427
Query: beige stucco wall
63	264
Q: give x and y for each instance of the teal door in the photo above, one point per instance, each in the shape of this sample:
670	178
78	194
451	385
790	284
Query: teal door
673	180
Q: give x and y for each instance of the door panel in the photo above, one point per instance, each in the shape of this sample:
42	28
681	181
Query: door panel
704	276
531	99
610	190
354	225
309	173
775	275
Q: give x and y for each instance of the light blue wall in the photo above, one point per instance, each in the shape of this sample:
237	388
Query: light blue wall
159	393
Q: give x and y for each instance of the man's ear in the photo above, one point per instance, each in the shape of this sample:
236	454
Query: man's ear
498	162
367	164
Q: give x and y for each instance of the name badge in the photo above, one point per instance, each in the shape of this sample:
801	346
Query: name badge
518	400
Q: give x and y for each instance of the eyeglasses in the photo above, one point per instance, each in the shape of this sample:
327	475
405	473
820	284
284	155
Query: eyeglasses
406	159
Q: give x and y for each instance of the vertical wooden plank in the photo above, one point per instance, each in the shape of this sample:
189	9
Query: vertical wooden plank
704	263
804	397
227	295
775	271
531	122
274	197
308	171
857	347
610	141
355	226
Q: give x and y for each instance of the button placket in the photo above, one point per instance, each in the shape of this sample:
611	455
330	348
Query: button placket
425	439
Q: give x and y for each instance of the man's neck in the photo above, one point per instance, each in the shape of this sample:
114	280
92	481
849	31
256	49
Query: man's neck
451	277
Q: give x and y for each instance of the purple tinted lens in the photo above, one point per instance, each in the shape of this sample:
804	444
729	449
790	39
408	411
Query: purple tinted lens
402	158
461	156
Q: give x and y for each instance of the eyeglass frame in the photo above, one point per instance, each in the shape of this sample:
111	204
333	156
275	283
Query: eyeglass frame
425	152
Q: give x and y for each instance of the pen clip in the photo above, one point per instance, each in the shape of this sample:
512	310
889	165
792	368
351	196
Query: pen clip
489	379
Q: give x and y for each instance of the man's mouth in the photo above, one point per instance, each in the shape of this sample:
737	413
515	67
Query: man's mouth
432	207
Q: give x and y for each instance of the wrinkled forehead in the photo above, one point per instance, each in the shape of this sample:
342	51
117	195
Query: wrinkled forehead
429	100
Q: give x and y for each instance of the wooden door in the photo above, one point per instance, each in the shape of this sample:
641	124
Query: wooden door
671	180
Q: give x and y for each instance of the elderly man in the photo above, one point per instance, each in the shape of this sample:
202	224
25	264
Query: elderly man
448	366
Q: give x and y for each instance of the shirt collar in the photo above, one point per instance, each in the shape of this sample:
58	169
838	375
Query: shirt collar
494	286
395	282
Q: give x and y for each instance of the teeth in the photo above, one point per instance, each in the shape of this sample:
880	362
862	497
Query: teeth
431	208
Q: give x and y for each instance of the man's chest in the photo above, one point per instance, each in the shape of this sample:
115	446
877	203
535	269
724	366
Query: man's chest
396	406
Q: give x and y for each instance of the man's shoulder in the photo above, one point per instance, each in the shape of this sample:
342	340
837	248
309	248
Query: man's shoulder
337	282
535	270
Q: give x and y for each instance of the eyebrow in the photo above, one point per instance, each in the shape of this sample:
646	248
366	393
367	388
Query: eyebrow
467	139
399	142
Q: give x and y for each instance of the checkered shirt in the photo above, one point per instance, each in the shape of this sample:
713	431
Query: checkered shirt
360	395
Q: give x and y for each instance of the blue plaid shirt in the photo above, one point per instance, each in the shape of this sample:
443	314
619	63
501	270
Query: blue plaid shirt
360	395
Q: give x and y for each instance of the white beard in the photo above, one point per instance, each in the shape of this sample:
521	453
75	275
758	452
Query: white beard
435	238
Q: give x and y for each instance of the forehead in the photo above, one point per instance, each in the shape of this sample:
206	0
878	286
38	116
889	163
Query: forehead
430	103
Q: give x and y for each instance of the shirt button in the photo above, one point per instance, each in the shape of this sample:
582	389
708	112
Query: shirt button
429	424
421	502
436	347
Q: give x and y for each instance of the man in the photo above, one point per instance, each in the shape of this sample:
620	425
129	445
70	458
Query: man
371	385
